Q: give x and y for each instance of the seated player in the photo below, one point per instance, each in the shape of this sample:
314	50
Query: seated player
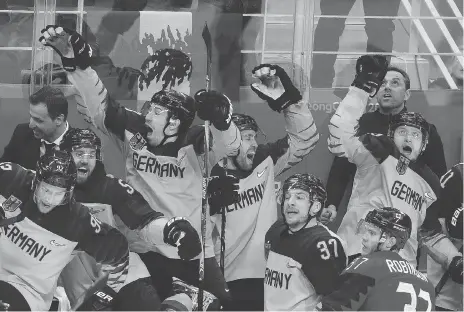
304	258
380	279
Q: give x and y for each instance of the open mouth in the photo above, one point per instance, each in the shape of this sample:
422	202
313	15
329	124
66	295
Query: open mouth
387	96
82	170
250	155
407	149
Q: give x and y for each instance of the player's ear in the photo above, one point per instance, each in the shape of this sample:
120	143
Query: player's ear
390	242
315	208
174	124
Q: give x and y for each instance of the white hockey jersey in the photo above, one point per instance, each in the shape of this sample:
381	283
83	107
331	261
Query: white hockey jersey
171	185
248	220
384	178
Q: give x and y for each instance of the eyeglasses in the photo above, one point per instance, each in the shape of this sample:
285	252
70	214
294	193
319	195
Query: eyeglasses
156	110
404	133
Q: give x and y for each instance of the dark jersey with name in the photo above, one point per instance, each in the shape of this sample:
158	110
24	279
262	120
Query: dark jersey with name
300	267
381	281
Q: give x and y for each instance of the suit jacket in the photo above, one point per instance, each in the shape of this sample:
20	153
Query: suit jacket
23	148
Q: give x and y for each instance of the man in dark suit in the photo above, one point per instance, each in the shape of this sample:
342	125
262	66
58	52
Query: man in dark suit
47	125
392	97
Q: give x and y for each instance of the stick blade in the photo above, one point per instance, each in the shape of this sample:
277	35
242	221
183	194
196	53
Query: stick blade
208	41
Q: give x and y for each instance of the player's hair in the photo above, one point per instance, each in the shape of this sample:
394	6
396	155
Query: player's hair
407	80
54	99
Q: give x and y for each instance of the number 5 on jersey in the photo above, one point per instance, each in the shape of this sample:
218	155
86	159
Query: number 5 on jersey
96	224
325	246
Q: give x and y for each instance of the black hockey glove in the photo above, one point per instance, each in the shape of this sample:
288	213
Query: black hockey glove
103	299
275	87
370	72
215	107
222	192
178	232
69	45
455	269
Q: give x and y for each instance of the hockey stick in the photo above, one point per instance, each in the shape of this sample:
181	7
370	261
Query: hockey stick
204	204
223	228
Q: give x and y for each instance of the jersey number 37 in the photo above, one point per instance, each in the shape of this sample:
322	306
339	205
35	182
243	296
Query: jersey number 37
325	246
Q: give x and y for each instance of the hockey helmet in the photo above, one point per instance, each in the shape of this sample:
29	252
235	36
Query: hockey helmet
306	182
391	221
56	168
245	122
77	138
180	105
410	119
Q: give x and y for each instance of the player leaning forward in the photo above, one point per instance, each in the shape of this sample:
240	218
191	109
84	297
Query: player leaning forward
161	163
304	258
46	225
380	280
116	203
248	219
388	174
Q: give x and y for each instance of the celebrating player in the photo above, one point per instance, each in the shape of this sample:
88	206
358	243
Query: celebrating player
43	226
304	258
107	196
380	279
248	219
387	172
444	249
161	163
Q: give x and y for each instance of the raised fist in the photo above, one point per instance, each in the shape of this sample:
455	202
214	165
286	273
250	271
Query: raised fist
275	87
69	45
370	72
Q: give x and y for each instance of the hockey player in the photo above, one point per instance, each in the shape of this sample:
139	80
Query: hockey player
43	226
248	219
304	258
444	247
380	279
161	164
387	172
115	202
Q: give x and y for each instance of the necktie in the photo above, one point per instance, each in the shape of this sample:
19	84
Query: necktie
49	147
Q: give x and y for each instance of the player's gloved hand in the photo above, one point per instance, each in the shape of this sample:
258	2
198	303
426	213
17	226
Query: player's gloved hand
222	191
69	45
178	232
328	214
455	269
370	72
275	87
215	107
102	299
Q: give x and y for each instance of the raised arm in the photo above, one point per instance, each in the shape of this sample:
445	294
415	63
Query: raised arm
94	102
277	89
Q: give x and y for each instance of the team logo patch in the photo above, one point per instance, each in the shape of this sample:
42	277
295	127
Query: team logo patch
11	204
137	142
403	163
